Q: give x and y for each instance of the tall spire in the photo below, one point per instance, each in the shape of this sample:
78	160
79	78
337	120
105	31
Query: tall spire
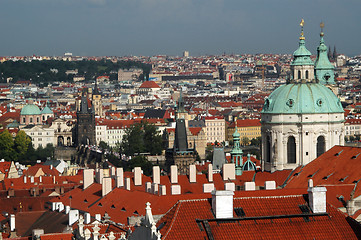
324	70
236	153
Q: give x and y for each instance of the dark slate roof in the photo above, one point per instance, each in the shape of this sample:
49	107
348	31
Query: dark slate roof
154	113
219	158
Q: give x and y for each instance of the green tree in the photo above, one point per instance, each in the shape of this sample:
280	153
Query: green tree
152	139
7	146
132	141
141	138
21	143
141	161
103	145
245	141
256	141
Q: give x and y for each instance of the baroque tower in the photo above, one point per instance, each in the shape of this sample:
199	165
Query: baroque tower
301	119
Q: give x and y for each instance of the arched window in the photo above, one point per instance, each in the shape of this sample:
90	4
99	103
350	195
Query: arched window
268	149
306	74
299	74
321	145
291	150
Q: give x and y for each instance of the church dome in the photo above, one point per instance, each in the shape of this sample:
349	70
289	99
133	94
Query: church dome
30	109
297	98
46	110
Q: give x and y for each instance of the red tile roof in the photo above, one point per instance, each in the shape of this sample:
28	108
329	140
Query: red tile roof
180	221
337	166
149	84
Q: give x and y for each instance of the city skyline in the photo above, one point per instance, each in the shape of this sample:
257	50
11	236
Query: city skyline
162	27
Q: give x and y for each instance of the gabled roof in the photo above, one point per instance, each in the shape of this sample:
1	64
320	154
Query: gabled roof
149	84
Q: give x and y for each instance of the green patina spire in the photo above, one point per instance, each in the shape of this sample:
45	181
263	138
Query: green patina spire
324	70
236	153
302	56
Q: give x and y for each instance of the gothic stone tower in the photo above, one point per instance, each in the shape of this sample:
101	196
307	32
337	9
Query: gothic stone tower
85	128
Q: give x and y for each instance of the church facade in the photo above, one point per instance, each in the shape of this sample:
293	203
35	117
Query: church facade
303	118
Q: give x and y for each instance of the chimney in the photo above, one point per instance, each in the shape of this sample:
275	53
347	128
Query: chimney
173	174
87	218
137	176
25	179
12	222
175	189
270	185
40	179
249	186
222	203
154	188
73	216
127	184
210	173
316	198
67	209
32	179
192	173
162	190
230	186
98	217
229	171
106	186
36	233
113	172
88	178
208	187
53	179
99	175
148	187
120	177
156	174
61	207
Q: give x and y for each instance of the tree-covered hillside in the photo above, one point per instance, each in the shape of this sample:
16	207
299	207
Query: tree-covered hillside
48	71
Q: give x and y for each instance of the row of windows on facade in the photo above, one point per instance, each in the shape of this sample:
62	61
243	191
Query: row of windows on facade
291	148
37	119
39	134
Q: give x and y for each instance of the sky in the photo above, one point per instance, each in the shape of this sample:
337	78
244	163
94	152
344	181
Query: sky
155	27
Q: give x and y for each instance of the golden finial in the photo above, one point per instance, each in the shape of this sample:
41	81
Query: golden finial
302	23
322	25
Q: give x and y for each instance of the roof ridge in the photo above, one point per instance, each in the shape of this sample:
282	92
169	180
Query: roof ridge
173	219
262	197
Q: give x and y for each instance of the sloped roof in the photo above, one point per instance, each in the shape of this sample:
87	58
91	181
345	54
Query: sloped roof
338	166
149	84
180	221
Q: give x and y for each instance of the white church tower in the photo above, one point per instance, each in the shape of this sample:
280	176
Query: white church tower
301	119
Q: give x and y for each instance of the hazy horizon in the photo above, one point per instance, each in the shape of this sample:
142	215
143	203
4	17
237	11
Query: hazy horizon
165	27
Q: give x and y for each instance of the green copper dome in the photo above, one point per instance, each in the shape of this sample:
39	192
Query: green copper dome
30	109
46	110
296	98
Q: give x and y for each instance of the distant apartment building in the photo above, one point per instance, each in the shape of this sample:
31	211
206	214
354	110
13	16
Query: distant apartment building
215	129
249	128
352	127
129	74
